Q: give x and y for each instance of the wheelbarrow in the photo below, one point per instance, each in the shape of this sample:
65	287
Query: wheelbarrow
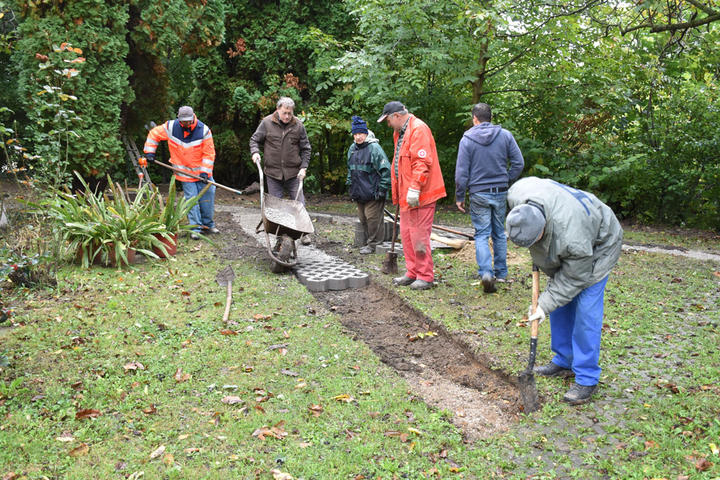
287	220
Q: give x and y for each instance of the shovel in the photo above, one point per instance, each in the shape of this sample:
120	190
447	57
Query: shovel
526	380
225	277
390	263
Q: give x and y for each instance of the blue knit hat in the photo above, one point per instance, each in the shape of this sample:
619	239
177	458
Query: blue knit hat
358	125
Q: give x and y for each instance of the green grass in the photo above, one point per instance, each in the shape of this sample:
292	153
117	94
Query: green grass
655	415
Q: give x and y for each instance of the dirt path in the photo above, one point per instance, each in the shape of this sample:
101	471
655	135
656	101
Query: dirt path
438	368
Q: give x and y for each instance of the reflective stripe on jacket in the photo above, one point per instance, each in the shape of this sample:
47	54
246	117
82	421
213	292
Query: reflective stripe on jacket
192	152
418	167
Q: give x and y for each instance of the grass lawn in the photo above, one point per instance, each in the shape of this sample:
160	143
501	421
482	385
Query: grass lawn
131	374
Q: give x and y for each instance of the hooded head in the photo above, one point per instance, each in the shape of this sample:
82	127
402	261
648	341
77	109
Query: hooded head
525	224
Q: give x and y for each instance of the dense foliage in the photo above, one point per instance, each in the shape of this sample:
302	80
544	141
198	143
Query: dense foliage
619	98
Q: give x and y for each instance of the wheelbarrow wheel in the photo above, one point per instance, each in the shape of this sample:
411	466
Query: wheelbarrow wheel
284	253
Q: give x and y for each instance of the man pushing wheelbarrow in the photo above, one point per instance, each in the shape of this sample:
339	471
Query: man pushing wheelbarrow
286	149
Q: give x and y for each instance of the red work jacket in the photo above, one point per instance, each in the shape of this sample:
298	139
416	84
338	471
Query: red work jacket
418	166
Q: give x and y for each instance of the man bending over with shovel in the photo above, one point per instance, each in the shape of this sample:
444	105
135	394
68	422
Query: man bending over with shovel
576	240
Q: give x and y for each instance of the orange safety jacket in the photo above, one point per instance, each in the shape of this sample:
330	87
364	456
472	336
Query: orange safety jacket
418	166
192	152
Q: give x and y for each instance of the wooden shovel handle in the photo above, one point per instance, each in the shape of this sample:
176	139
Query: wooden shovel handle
535	295
228	301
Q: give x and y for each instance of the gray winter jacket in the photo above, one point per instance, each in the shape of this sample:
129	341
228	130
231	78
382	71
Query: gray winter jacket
582	239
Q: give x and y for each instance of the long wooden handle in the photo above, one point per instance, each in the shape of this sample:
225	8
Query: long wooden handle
196	177
437	227
535	295
228	300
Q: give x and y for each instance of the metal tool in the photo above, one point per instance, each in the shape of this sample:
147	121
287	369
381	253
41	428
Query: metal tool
390	263
224	278
526	380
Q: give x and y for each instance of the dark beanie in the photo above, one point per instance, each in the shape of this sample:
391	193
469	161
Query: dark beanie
358	125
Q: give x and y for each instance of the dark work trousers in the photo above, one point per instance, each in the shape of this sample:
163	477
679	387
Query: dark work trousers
276	188
372	220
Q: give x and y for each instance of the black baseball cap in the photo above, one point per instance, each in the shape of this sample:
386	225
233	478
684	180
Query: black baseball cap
390	108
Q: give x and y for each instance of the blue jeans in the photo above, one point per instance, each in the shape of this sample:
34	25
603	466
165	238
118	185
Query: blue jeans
201	215
575	334
487	211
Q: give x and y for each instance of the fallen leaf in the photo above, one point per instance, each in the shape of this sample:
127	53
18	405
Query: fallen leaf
10	476
717	274
181	377
231	399
183	436
276	431
65	437
133	366
260	316
157	452
289	373
192	450
80	450
315	410
150	410
703	464
86	413
228	332
343	398
650	444
278	475
168	459
186	343
77	386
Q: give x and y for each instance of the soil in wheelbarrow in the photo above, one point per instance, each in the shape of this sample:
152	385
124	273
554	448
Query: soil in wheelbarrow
438	368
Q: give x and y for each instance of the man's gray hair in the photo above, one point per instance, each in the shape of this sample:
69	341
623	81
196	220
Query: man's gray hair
482	112
286	102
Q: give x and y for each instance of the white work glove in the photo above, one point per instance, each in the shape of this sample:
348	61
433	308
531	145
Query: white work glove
539	314
256	159
301	174
413	197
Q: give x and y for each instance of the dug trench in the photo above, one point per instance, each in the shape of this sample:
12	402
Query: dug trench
438	366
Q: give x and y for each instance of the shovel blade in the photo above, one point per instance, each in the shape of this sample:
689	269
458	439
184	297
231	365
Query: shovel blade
225	276
528	392
390	263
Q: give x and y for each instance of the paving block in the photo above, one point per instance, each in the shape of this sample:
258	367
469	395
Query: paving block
385	247
319	276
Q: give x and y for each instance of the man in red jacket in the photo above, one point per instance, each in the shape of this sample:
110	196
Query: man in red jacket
417	185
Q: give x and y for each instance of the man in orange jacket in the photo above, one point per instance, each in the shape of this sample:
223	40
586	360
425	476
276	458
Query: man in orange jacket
191	150
417	185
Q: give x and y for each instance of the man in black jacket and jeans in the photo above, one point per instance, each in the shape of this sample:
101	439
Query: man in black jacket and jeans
368	180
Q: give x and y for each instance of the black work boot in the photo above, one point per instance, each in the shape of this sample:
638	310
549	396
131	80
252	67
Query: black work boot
553	370
579	394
